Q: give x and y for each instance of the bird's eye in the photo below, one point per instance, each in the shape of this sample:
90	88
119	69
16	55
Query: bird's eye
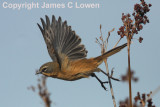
44	69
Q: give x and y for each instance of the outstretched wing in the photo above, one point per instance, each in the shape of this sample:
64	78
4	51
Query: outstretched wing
61	41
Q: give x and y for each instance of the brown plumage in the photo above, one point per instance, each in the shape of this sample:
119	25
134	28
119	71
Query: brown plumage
68	55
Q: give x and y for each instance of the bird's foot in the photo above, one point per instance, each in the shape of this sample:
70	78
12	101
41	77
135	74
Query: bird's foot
110	76
102	84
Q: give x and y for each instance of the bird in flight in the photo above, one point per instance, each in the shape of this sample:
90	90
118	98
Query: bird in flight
68	55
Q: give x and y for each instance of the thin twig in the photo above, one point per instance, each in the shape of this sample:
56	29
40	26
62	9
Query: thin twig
106	41
42	91
103	50
117	43
112	72
107	69
110	84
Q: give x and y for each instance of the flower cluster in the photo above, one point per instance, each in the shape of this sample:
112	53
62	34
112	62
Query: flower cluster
42	90
125	78
143	101
125	103
132	26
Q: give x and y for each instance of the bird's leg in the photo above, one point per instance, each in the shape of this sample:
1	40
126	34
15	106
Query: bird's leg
108	75
102	83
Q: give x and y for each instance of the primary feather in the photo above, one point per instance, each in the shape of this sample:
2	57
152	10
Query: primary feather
61	40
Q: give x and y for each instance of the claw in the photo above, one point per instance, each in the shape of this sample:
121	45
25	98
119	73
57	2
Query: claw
102	84
105	82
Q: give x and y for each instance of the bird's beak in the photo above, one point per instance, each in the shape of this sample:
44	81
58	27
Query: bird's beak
38	72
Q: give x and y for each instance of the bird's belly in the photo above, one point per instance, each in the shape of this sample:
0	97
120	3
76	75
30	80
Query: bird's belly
71	77
77	70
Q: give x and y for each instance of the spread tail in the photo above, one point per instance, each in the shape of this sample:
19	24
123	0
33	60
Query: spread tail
110	52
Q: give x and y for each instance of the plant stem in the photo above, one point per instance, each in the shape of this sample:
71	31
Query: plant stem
117	43
129	74
104	45
110	84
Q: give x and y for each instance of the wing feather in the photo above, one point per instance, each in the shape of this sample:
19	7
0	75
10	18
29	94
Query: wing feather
61	40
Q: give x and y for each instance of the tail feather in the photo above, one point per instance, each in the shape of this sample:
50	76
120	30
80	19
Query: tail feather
110	52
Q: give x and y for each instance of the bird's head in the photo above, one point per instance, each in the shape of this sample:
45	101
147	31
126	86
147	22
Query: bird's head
47	69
